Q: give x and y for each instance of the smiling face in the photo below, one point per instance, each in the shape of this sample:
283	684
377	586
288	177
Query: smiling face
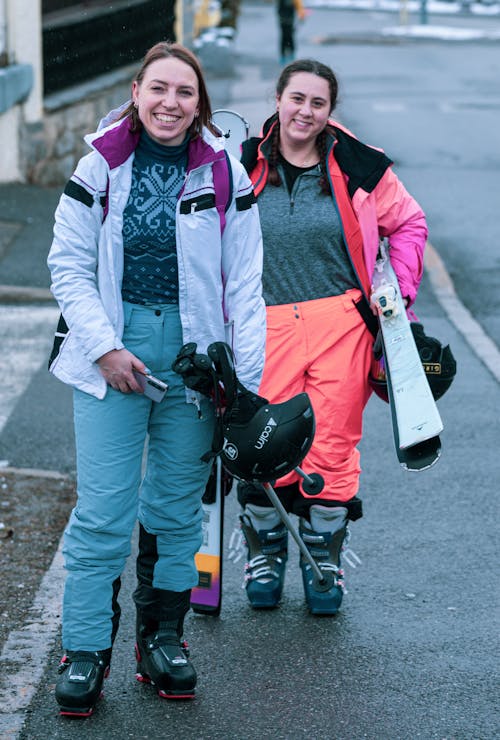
167	100
303	108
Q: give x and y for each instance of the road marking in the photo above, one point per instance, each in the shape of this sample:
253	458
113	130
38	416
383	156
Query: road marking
25	654
461	318
25	339
33	472
443	33
26	335
389	106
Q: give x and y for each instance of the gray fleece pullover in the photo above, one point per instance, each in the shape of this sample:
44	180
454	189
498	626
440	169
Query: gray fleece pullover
305	257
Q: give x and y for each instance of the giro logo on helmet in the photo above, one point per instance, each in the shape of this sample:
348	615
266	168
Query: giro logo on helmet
265	434
231	451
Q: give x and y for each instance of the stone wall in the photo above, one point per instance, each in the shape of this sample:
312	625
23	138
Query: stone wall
51	149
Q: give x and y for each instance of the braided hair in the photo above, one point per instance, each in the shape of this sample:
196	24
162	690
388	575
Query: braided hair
321	70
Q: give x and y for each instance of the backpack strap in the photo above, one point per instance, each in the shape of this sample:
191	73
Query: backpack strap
230	182
223	184
105	202
368	317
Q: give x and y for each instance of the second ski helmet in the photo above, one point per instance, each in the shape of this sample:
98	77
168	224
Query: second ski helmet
439	365
272	443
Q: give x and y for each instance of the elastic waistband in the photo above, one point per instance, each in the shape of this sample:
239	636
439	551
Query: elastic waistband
318	305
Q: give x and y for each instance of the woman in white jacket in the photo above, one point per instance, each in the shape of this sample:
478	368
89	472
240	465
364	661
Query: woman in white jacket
157	243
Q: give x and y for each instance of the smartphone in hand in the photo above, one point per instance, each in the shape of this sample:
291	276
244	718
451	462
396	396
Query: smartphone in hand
153	388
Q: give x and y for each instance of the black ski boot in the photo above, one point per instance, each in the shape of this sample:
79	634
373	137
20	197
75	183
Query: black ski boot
79	686
162	660
267	541
162	655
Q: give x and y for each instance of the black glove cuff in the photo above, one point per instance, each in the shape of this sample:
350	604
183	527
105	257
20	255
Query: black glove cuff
244	407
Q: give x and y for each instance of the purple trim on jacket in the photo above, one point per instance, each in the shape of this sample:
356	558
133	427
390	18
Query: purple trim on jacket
117	144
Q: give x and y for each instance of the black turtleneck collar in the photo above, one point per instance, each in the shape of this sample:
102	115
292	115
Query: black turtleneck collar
153	150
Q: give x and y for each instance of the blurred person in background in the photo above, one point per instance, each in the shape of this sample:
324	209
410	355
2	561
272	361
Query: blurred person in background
288	13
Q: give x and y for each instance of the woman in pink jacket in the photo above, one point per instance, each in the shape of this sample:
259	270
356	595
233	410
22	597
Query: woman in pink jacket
325	200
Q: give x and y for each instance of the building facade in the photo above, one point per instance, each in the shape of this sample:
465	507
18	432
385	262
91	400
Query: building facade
63	66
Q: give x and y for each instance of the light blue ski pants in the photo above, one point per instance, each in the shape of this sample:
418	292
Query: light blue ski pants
110	438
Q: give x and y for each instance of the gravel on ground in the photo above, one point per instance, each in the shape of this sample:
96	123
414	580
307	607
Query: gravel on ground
34	509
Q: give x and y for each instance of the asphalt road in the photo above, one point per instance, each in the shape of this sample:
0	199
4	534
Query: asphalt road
414	652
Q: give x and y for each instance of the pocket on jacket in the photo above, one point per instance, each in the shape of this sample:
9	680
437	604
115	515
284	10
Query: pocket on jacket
197	203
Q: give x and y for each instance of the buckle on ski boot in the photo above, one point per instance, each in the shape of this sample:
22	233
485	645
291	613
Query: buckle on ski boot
325	548
79	686
162	660
265	570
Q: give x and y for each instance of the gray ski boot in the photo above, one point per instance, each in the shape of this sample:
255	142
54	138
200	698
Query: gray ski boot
324	536
267	541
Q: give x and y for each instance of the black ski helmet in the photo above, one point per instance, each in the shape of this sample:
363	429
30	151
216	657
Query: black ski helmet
439	364
272	443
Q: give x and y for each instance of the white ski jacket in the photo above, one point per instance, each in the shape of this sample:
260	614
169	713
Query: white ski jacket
220	292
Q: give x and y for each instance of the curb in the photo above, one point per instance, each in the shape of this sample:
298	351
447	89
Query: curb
35	473
22	294
458	315
410	34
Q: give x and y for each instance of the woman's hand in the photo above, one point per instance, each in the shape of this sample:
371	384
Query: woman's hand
117	368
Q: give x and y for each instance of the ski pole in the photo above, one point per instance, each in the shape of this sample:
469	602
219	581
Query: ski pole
313	482
323	580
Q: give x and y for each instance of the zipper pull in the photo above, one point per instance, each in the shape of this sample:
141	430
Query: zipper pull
198	407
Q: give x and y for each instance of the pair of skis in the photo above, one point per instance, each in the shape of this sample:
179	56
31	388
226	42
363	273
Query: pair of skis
416	422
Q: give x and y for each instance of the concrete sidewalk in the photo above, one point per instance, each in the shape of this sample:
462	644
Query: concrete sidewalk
26	221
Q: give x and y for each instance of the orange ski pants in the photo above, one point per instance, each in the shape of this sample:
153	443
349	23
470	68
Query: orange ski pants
323	347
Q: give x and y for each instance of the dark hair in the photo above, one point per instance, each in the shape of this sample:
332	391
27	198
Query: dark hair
167	50
314	68
321	70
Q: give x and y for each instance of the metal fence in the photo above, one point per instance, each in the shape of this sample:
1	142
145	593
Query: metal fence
88	44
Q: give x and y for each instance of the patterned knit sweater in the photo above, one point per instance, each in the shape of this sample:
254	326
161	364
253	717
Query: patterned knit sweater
150	257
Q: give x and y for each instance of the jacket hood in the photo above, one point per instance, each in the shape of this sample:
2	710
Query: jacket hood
250	147
113	115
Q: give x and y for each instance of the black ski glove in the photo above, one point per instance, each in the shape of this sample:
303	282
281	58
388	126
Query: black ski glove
196	370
